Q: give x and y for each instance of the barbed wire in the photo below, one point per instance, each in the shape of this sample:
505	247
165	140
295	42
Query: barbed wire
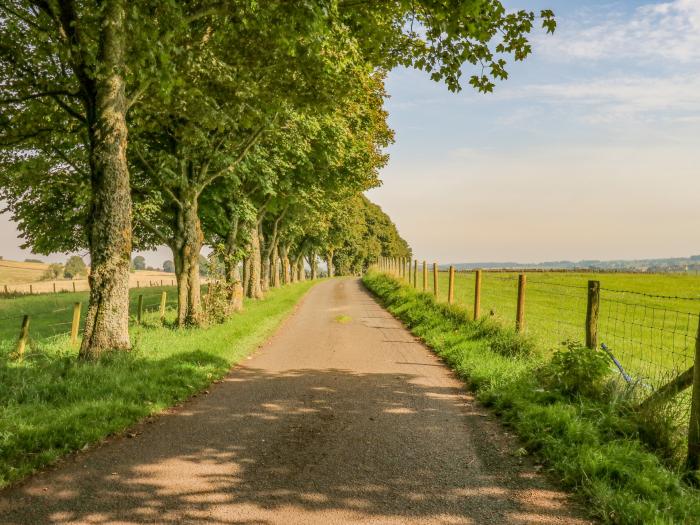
654	296
562	285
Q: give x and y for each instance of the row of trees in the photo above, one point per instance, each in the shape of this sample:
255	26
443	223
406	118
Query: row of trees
253	127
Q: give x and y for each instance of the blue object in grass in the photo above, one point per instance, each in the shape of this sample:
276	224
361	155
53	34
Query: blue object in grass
625	375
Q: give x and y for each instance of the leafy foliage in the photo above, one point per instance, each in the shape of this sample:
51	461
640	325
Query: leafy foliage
577	370
75	266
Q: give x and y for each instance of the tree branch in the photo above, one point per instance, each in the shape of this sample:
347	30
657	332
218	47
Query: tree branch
250	142
154	230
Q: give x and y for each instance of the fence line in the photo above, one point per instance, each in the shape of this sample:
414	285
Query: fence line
75	320
653	346
75	286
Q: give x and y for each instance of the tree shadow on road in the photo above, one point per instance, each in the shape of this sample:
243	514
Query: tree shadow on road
299	447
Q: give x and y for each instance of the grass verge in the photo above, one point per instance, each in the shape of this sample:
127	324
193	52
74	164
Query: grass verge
52	404
590	444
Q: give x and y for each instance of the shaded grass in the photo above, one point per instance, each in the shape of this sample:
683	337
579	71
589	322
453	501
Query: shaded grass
52	404
591	445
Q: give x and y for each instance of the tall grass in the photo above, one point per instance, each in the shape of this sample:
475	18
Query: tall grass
52	404
593	445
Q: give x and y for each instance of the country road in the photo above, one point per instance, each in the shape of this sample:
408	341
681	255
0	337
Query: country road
342	417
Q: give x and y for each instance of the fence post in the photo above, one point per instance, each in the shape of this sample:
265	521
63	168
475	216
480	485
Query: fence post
425	276
23	337
6	291
73	286
415	273
138	285
435	279
520	313
31	289
139	310
75	324
163	296
54	287
451	287
477	295
592	310
693	460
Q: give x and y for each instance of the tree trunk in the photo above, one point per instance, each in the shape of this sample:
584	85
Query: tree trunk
246	277
299	268
186	246
275	267
314	266
233	272
109	227
329	263
254	288
286	278
266	274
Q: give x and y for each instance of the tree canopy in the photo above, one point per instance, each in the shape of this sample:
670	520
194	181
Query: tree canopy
251	127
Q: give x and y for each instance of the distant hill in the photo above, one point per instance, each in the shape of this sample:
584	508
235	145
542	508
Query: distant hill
671	264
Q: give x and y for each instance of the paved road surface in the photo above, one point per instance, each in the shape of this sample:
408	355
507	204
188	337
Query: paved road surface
342	417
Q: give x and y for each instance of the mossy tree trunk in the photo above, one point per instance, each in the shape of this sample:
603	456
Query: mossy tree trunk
109	228
232	268
254	288
329	263
275	267
186	245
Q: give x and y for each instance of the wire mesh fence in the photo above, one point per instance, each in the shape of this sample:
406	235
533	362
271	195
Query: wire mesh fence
651	335
52	317
651	338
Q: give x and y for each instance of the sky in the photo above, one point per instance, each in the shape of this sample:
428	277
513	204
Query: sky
590	150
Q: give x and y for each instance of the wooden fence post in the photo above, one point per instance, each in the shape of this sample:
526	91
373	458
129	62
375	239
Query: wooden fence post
592	310
6	291
54	287
74	286
23	337
139	310
477	295
435	279
75	324
163	297
138	285
415	273
451	287
520	313
693	460
425	276
31	289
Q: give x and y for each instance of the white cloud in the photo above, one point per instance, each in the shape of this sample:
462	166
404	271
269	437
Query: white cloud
674	98
668	31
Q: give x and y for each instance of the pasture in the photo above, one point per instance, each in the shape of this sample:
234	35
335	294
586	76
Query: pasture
50	315
648	321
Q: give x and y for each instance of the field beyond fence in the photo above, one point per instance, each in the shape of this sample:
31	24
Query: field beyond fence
648	324
51	316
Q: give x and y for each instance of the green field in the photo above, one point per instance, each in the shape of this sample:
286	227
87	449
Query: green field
653	337
52	403
50	315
